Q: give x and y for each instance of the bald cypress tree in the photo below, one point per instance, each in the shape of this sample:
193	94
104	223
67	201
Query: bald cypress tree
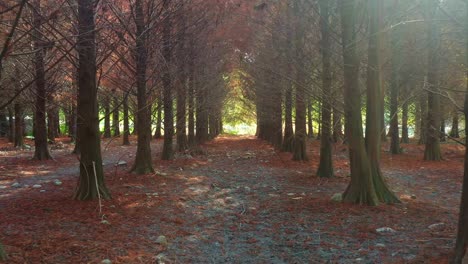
91	181
367	185
461	245
432	147
326	165
143	163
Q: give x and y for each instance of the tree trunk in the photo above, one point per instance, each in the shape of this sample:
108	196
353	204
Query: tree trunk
116	117
167	152
454	132
11	126
143	162
191	97
367	185
432	148
107	115
181	121
288	141
310	126
157	132
325	169
51	119
461	244
423	119
41	151
404	123
91	180
395	91
337	125
443	136
19	122
126	122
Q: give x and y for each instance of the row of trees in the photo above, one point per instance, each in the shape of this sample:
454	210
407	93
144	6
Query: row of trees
146	61
310	60
315	50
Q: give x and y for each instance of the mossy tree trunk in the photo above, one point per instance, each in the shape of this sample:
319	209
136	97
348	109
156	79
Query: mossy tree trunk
432	146
91	181
325	169
143	162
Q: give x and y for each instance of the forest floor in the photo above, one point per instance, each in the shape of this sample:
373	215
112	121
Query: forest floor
238	202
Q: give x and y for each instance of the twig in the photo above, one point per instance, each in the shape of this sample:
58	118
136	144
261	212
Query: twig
97	188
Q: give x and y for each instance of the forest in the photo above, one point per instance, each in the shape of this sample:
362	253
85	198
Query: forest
233	131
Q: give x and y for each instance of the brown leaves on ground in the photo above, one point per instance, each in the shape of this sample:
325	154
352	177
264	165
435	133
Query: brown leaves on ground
241	202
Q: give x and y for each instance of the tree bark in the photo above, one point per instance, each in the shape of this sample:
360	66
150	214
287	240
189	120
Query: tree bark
41	151
143	162
461	244
395	91
325	169
182	143
337	125
167	152
300	149
432	148
107	117
310	126
11	126
91	180
367	185
454	132
126	122
288	140
19	122
404	123
116	117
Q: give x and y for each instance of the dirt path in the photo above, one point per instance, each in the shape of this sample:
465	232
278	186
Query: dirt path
240	203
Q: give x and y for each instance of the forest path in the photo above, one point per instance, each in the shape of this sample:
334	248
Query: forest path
239	202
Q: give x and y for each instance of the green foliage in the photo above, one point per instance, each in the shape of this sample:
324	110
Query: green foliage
239	111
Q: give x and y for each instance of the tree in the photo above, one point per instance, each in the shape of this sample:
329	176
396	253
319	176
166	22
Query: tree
143	162
116	116
300	149
41	150
432	146
91	180
367	185
167	152
395	83
461	244
325	169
